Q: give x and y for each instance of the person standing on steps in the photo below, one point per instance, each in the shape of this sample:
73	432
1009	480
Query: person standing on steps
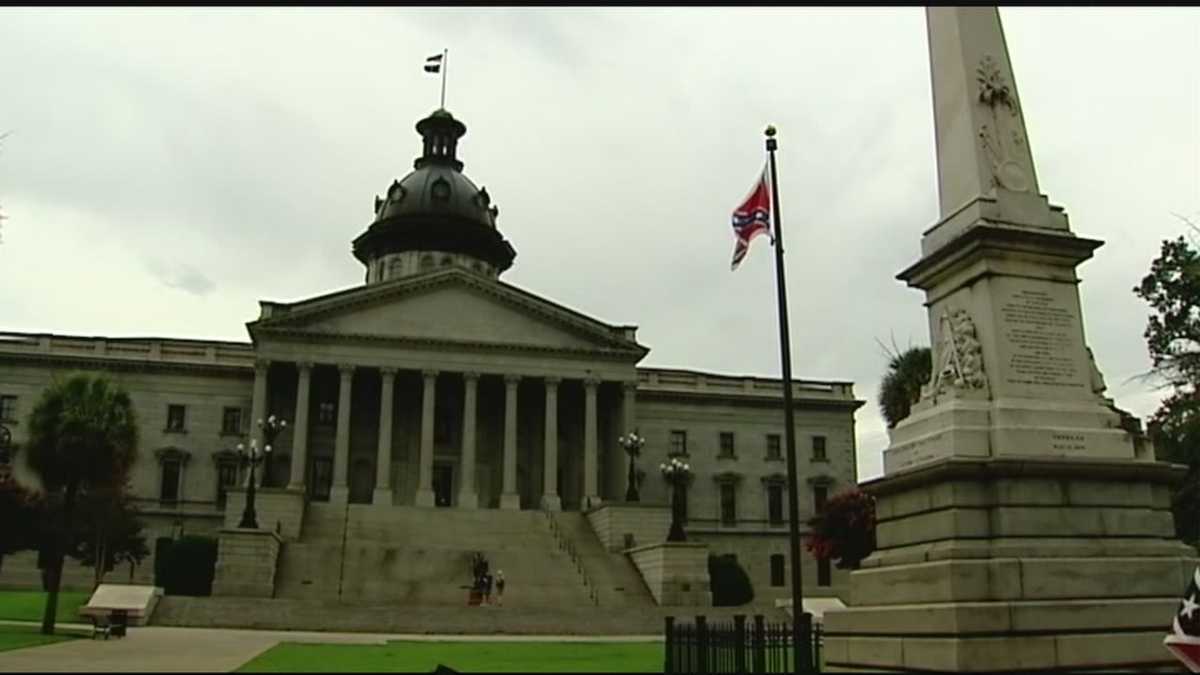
500	587
487	588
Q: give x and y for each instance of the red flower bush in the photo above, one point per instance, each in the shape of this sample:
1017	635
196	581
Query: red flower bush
845	530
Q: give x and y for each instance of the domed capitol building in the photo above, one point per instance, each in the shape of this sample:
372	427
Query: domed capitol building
435	411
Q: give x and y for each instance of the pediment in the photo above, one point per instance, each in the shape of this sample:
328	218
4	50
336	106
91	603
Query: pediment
447	307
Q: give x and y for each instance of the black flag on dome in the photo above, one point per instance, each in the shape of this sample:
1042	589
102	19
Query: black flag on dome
433	64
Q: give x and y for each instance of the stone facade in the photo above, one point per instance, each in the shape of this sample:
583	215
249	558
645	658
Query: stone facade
676	573
246	563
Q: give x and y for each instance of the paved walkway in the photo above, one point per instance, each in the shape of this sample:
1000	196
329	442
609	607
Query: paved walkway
170	649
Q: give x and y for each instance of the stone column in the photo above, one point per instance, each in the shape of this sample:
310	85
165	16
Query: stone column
467	497
510	498
300	427
550	499
340	492
425	474
383	458
591	493
258	410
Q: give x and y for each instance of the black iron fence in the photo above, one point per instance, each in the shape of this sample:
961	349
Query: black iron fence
735	646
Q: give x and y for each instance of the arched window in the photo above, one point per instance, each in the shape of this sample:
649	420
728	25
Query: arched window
426	262
446	261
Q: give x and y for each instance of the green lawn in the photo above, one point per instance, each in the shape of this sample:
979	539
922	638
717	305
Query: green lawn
467	657
29	605
18	637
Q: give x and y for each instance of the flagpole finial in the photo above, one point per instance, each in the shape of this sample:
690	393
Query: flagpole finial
770	132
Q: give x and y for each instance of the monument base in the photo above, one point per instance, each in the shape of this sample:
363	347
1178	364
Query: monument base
675	572
510	501
1016	564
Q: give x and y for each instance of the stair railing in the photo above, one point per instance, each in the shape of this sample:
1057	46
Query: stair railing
568	546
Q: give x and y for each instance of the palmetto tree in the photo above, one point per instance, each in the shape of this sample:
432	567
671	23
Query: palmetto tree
901	386
82	434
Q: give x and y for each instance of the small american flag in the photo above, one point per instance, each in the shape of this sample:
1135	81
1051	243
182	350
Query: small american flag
1184	638
751	219
433	64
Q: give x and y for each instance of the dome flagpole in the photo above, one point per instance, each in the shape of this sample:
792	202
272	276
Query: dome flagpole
445	67
437	64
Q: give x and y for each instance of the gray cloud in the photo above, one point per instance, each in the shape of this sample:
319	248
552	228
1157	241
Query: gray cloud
181	276
249	144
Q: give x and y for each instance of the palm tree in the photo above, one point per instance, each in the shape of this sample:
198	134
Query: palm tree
901	386
82	434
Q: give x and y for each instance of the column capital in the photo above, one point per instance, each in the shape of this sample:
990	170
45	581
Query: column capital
261	364
471	376
629	385
387	371
512	379
429	373
346	369
591	382
553	381
305	366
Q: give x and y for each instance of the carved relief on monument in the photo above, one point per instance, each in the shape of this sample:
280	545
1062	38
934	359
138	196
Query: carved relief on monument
1003	141
960	363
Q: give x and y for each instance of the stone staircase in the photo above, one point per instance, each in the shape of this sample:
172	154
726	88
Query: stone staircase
613	577
511	619
396	555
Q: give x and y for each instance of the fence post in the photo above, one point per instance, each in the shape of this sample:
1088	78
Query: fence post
668	657
702	645
757	652
816	642
739	643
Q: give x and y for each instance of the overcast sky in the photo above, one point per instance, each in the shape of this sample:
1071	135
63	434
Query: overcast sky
166	169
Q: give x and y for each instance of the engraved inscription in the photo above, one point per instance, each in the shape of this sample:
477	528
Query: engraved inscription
1068	442
1040	332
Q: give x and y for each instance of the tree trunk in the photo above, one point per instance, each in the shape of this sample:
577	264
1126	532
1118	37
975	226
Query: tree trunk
56	559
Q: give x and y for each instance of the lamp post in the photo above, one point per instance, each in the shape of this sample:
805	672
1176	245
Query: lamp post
633	447
676	473
252	457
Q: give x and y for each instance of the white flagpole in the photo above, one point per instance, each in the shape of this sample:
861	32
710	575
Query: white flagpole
445	66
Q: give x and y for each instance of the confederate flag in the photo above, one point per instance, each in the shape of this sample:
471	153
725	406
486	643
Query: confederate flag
1184	639
751	219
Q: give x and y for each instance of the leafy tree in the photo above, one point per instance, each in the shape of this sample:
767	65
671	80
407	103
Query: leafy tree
109	530
845	530
907	372
1172	288
82	435
21	513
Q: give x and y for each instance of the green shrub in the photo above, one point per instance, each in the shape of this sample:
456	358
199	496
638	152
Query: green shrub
186	565
729	582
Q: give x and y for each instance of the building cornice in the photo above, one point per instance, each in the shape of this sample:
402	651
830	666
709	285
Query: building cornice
283	314
444	345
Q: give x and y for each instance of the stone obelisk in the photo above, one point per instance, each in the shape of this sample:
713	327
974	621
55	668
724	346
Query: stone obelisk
1022	520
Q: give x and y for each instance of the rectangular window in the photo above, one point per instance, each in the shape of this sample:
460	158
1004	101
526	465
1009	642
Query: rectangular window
726	444
231	421
777	571
775	504
820	492
326	413
773	451
175	417
8	408
227	477
728	504
169	491
678	442
823	572
818	448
